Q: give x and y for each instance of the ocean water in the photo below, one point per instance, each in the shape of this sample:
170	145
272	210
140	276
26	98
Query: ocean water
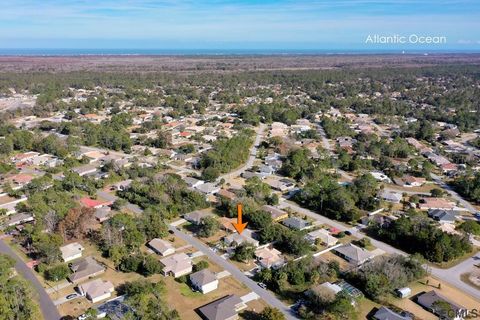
212	52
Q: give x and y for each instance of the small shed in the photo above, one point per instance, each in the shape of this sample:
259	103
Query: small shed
403	292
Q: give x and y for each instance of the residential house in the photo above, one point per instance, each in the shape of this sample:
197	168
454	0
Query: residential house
208	188
24	157
177	265
71	251
161	247
266	170
353	254
204	281
96	290
443	216
122	185
449	168
380	176
19	180
296	223
282	185
225	194
84	269
227	224
435	203
325	237
380	219
324	287
385	313
389	196
196	217
193	182
411	181
103	213
249	174
236	239
430	300
275	213
93	203
269	257
225	308
18	219
115	309
86	169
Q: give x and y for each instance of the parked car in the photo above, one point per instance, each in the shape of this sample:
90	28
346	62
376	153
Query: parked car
262	285
71	296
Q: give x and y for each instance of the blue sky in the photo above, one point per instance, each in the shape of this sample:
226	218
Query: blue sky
243	24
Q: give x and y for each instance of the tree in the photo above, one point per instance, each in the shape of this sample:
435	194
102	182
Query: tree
202	264
17	299
437	193
210	174
365	191
270	313
244	252
154	225
77	223
208	227
57	273
151	266
471	227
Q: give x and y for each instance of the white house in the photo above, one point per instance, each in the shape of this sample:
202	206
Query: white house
71	251
161	247
204	281
96	290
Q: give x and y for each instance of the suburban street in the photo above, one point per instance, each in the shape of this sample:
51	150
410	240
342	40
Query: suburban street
48	309
267	296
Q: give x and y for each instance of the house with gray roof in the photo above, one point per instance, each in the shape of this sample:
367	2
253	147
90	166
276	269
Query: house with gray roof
433	300
204	281
353	254
443	216
84	269
385	313
196	217
225	308
296	223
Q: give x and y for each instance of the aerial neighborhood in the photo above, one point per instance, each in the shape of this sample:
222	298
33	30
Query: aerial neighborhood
122	196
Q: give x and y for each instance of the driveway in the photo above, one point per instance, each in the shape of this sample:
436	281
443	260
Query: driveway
267	296
49	311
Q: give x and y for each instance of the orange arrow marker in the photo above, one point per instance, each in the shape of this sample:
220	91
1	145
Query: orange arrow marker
239	226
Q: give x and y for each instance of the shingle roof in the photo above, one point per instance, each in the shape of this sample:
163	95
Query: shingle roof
386	314
203	277
354	253
221	309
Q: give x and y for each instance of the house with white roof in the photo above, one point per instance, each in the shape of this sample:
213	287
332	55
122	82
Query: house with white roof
71	251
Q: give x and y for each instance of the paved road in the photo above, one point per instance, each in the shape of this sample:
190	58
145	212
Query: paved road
267	296
452	193
111	197
47	307
450	276
251	158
